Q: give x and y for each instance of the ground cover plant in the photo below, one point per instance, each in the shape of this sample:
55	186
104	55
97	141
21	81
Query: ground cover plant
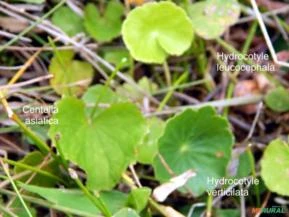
142	108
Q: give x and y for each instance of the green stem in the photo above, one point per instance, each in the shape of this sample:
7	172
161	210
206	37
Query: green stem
209	205
95	199
167	73
171	91
6	170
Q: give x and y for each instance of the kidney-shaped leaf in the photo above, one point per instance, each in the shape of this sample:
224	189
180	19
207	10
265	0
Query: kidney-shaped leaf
212	17
198	140
275	167
155	30
102	145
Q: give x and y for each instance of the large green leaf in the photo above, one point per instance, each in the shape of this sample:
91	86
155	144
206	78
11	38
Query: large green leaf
67	72
102	145
67	21
211	18
76	202
199	140
275	167
155	30
278	100
103	27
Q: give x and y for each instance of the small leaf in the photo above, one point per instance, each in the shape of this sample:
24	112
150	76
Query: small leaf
102	145
278	100
154	31
126	212
67	72
275	167
211	18
75	201
148	149
67	21
104	27
138	198
198	140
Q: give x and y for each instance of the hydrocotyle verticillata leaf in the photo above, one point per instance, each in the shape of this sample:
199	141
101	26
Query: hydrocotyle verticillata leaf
275	167
199	140
154	31
211	18
102	145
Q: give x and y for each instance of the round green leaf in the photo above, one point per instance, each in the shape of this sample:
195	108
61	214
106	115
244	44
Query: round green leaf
199	140
278	100
103	27
155	30
211	18
275	167
103	145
